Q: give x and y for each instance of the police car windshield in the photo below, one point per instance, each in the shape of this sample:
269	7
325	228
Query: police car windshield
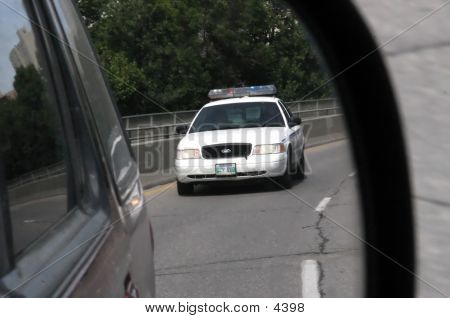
238	115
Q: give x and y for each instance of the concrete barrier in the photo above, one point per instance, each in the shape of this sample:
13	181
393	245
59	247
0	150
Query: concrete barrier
324	129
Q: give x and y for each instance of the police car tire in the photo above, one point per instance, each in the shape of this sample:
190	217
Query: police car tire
301	167
185	188
285	180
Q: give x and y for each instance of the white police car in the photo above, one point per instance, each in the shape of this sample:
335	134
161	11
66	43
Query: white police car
243	135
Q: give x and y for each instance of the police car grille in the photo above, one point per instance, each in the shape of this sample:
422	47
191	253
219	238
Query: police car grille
226	151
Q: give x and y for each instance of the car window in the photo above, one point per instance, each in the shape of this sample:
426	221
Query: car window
238	115
116	148
32	147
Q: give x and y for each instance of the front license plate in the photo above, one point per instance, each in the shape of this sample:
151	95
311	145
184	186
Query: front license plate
226	169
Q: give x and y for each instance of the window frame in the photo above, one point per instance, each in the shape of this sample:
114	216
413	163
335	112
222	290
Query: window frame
6	251
91	210
286	113
123	188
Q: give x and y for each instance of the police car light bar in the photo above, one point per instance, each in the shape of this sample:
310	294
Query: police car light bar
262	90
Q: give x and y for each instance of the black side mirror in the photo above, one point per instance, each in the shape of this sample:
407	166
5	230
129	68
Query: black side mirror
295	121
182	129
383	276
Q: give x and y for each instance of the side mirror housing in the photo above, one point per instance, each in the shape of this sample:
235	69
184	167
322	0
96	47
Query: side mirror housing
295	122
182	129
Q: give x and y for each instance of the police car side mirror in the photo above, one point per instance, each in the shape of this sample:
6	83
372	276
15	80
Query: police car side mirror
182	129
295	121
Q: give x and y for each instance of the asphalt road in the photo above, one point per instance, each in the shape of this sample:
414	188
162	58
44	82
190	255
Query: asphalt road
255	240
30	219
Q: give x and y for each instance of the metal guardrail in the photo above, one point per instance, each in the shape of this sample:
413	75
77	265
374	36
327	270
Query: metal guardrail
312	106
144	128
183	116
158	119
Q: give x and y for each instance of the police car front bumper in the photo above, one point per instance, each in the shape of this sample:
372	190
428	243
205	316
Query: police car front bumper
252	167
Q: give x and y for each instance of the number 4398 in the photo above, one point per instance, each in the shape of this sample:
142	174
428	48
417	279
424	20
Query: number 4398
289	307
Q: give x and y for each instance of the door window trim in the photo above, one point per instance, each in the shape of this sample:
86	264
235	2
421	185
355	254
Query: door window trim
90	212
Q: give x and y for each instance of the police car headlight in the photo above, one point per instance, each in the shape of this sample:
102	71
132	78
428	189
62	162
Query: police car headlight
188	154
269	149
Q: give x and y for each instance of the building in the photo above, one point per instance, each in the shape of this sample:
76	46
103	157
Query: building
24	53
12	94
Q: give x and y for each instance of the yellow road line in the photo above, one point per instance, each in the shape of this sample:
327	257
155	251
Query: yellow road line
158	189
321	146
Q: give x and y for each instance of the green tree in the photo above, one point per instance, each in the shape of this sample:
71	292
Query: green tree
175	51
27	126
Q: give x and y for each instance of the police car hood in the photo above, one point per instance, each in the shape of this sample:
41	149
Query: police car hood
254	136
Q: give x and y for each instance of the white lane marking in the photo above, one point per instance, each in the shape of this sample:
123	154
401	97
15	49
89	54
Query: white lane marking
310	279
322	204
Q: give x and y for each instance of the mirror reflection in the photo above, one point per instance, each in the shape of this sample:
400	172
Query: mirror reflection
240	141
243	150
31	146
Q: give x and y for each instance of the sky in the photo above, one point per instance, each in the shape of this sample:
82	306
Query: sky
10	22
